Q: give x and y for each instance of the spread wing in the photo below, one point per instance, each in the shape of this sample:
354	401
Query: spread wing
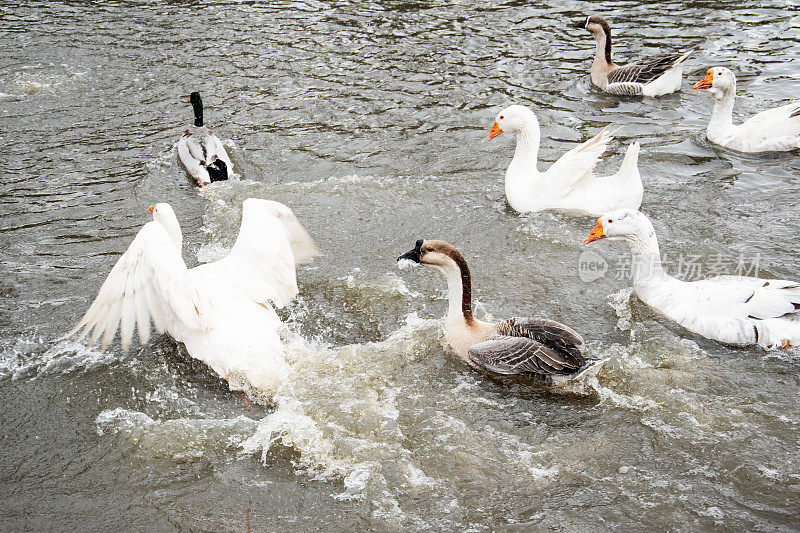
261	264
643	71
579	161
530	345
148	281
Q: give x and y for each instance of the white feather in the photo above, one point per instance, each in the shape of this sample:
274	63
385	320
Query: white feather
221	310
773	130
570	184
730	309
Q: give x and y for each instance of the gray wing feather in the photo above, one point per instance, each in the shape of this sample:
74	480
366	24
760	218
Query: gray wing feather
530	346
521	355
625	89
547	332
643	71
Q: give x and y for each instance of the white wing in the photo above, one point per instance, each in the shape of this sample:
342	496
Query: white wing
192	164
220	152
579	161
745	297
775	129
149	280
261	264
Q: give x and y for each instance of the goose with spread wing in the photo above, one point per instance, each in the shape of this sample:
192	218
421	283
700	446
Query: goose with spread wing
530	347
655	76
222	311
773	130
736	310
569	185
201	152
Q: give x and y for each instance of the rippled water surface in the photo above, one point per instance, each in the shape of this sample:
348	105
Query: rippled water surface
367	118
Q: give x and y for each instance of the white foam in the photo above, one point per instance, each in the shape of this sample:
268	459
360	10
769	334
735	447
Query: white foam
404	264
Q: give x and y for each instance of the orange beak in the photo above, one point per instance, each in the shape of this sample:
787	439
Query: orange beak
597	232
706	82
152	208
495	131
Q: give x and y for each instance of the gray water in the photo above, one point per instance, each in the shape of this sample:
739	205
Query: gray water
367	118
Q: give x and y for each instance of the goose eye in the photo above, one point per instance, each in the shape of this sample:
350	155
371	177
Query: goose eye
501	117
610	221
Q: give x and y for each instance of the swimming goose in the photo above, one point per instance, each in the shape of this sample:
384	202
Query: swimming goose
531	347
649	77
569	184
776	129
733	310
222	311
201	151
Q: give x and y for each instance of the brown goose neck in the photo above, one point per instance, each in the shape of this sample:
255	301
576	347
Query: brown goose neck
607	31
466	287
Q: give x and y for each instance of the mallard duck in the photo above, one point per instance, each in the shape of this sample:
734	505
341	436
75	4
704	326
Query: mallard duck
201	151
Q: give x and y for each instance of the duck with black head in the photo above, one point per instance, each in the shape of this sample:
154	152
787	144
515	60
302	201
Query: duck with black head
201	152
653	76
536	348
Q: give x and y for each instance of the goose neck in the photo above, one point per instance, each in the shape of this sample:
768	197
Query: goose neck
602	53
722	116
459	291
527	143
646	266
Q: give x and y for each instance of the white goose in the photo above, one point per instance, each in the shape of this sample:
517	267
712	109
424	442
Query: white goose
649	77
530	347
570	184
776	129
201	152
221	311
733	310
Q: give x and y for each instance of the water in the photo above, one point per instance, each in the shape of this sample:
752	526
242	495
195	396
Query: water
368	119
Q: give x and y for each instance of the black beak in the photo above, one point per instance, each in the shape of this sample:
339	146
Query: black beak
412	255
579	25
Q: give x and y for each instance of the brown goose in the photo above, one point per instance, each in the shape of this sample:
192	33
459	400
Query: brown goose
649	77
531	347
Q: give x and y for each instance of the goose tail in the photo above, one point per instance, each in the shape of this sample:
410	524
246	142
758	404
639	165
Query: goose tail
628	181
630	164
683	57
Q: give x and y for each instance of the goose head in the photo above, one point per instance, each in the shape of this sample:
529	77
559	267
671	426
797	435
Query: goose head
445	258
197	105
512	119
622	224
164	215
440	255
597	26
720	81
